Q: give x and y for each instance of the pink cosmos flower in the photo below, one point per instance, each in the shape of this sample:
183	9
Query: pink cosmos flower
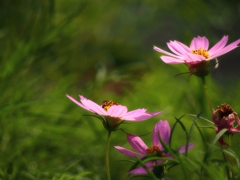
161	129
114	113
197	52
225	118
197	56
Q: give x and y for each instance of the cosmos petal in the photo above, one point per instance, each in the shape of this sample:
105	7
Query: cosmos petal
117	111
137	144
139	115
234	130
182	149
141	169
193	58
128	152
171	60
199	42
145	116
219	45
187	49
226	49
131	114
194	43
78	103
162	130
205	43
176	48
164	52
93	107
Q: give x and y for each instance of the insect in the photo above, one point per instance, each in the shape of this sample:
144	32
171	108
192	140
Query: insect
107	104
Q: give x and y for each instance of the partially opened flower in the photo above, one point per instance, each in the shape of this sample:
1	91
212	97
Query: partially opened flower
225	118
113	113
198	54
162	130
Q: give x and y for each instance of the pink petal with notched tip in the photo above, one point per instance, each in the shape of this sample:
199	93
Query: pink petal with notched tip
132	114
146	116
205	43
78	103
137	144
177	48
156	135
141	169
187	49
82	97
165	52
92	106
162	130
117	111
199	42
128	152
182	149
226	49
219	45
139	115
193	44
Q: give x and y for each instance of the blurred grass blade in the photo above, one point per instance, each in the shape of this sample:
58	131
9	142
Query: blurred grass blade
219	135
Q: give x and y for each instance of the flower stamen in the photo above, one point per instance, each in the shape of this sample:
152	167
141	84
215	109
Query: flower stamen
202	52
224	111
107	104
152	149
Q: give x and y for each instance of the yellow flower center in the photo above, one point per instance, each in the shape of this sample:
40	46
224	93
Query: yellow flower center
201	52
153	149
107	104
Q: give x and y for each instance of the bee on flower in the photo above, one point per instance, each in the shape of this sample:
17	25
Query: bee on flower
112	114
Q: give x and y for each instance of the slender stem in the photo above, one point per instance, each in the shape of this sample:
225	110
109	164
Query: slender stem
227	170
107	156
207	95
231	158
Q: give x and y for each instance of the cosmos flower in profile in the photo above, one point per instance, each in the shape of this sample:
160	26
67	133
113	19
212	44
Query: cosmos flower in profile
162	130
197	54
113	113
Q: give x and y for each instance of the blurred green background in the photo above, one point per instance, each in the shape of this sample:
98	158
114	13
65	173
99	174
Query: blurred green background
102	49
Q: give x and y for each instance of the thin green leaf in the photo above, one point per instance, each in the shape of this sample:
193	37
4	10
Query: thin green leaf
191	130
201	118
220	134
231	153
172	130
203	139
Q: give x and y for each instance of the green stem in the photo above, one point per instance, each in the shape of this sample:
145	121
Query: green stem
207	95
231	158
227	170
107	156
